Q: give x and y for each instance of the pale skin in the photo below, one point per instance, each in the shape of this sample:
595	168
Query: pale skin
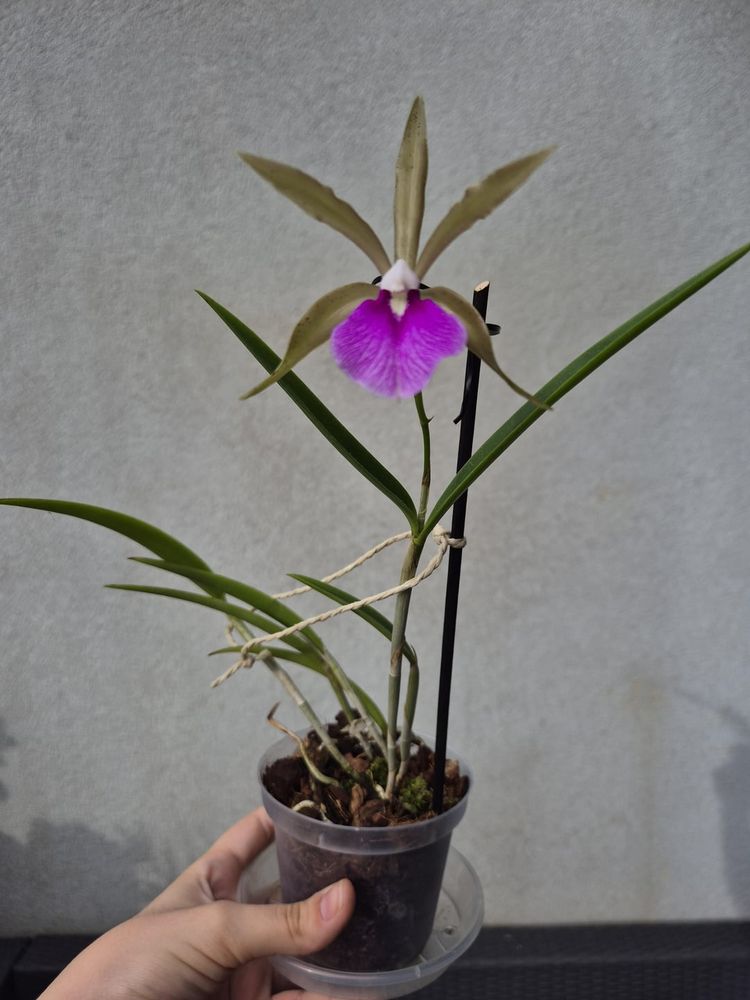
194	942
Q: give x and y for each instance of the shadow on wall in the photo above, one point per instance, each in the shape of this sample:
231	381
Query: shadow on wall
67	878
732	784
6	740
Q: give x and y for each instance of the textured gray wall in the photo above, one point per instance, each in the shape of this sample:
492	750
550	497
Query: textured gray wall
603	691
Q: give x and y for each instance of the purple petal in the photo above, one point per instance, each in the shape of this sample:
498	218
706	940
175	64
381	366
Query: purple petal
427	334
364	345
396	355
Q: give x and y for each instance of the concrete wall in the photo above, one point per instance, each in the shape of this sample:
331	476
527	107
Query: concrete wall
602	689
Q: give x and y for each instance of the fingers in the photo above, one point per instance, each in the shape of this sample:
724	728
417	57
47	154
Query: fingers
236	933
215	874
224	862
246	839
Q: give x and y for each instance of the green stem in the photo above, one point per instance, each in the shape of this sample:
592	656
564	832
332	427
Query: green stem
407	729
334	675
412	689
400	617
242	628
424	495
307	710
347	688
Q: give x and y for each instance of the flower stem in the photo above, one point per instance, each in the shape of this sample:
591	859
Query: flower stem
411	561
424	495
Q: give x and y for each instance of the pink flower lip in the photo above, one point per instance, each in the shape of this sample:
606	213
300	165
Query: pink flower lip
396	355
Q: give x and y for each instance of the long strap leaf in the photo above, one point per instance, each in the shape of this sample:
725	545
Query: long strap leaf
243	591
321	417
566	380
245	615
216	604
322	204
151	538
309	659
312	662
370	615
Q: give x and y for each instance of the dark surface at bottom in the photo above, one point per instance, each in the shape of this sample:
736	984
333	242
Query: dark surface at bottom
41	961
689	961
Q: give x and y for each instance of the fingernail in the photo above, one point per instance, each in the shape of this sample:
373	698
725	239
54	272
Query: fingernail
330	902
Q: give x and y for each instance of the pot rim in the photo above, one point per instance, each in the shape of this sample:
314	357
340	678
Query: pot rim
355	839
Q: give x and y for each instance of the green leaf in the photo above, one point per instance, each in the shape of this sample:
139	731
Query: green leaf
411	179
310	659
316	325
151	538
479	340
216	604
243	591
321	417
245	615
368	614
322	204
370	707
566	380
477	203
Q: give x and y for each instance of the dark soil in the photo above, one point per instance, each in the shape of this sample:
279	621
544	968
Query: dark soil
352	803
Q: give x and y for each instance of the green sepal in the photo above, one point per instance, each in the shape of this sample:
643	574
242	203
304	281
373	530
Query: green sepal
315	327
322	204
411	180
479	341
477	203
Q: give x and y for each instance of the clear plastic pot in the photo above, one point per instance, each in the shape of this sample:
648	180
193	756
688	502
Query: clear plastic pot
457	922
397	873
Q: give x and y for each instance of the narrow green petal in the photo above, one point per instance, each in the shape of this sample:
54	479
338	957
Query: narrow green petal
411	179
479	340
477	203
322	204
316	325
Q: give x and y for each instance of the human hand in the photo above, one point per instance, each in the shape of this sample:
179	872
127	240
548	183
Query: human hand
194	941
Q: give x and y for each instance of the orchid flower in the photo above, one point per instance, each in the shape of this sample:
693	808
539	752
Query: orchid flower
390	337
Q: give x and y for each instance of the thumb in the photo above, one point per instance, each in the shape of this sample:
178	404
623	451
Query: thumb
238	932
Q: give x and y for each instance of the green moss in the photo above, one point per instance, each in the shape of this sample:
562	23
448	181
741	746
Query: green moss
378	771
415	795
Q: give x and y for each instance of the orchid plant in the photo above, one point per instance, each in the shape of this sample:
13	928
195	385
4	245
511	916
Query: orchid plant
389	336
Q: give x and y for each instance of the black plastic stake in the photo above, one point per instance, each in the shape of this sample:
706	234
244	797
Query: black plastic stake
466	418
